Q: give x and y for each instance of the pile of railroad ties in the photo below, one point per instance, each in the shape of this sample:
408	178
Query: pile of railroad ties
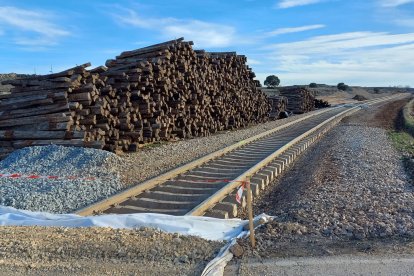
161	92
278	105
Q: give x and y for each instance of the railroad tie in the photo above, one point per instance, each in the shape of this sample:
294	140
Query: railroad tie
228	207
217	214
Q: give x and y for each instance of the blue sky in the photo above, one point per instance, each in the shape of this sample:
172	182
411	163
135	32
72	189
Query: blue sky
367	42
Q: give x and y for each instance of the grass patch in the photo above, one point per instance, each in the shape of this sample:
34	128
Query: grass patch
403	141
408	117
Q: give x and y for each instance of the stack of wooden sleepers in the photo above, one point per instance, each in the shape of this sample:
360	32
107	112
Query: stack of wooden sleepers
300	100
64	108
170	90
278	104
161	92
321	103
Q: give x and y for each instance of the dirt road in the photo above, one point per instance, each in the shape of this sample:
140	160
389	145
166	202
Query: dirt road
338	265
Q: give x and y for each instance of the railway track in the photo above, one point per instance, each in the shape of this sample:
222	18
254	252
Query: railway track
207	186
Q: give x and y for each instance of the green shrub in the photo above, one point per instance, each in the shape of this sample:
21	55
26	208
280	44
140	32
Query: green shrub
408	114
402	141
342	86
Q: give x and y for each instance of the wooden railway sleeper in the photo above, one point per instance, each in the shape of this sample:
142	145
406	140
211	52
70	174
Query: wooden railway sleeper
230	208
216	214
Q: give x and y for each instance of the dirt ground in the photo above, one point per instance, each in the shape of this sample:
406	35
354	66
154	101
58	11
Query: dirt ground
300	212
345	97
387	116
329	265
101	251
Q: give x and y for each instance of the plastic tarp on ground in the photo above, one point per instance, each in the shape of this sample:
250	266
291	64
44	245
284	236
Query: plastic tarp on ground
204	227
208	228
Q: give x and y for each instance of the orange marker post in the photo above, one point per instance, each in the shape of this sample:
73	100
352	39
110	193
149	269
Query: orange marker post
250	211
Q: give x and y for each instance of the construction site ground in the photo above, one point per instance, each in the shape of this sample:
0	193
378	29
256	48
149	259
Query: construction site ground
101	251
322	211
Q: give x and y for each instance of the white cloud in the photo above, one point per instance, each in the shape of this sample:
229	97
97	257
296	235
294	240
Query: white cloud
203	33
284	4
252	61
342	42
31	28
130	17
394	3
360	58
281	31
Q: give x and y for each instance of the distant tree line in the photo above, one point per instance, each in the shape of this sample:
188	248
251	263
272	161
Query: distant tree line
273	81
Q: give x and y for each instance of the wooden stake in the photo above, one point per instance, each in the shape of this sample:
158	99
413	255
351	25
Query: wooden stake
250	211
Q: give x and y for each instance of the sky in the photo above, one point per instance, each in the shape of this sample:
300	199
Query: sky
367	42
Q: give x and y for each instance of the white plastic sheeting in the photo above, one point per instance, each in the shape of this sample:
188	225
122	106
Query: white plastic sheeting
208	228
204	227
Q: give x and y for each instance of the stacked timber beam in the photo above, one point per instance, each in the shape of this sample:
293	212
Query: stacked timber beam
278	104
300	100
62	108
170	90
161	92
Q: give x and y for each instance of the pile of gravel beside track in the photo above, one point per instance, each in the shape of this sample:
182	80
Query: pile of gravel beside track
60	195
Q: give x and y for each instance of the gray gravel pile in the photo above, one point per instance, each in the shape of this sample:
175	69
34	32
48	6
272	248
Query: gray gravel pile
60	195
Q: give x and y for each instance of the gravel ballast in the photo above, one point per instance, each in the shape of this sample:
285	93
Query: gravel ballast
61	195
350	189
366	193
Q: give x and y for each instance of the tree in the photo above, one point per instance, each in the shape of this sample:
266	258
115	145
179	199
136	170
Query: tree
342	86
272	81
313	85
258	84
